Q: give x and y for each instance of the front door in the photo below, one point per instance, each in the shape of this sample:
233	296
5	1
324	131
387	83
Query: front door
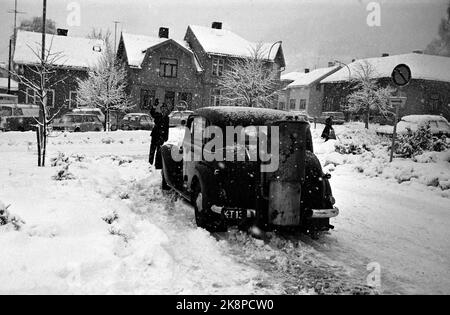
169	98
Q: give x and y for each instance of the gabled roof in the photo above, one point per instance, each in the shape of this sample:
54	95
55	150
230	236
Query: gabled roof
136	47
314	76
73	52
292	76
226	43
424	67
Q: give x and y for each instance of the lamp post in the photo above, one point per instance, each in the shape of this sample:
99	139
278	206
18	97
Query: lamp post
348	68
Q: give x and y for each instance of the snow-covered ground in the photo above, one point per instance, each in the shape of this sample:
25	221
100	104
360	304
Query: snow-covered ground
97	222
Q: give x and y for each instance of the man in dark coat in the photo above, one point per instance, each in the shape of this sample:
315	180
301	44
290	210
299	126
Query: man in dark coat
328	132
160	133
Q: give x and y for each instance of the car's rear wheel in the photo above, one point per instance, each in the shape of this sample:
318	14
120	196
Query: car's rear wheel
204	217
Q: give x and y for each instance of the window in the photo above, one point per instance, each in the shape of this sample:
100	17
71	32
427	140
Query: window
5	111
302	104
217	67
318	87
147	98
51	98
73	99
30	97
292	104
215	97
168	68
186	97
281	105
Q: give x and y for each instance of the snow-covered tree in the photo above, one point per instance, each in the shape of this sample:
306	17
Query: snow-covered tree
43	77
35	25
441	45
368	96
105	87
249	81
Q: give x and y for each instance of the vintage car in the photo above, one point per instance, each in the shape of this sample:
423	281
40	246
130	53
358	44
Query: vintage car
137	121
226	192
78	123
177	117
16	117
438	125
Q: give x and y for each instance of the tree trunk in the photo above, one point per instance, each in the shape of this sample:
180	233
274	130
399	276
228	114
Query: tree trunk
367	117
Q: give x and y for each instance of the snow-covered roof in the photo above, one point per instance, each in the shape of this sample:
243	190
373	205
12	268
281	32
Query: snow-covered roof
292	76
224	42
136	47
73	52
424	67
313	76
4	84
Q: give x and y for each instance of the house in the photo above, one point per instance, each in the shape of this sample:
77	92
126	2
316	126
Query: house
427	93
160	68
305	93
188	71
217	48
71	58
14	86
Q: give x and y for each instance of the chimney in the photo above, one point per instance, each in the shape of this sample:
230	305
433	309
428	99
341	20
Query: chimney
331	64
306	70
163	32
353	60
62	32
217	25
385	55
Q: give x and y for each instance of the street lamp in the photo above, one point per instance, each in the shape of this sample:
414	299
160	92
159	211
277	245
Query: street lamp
348	68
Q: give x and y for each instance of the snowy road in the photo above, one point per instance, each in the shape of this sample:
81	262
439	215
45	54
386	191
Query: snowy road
111	230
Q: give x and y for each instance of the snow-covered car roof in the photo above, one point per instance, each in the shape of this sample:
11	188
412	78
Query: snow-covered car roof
73	52
413	122
241	116
424	67
419	119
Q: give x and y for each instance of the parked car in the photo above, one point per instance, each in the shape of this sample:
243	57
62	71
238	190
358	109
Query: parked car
16	117
232	192
137	121
90	111
176	117
438	125
301	115
338	118
78	123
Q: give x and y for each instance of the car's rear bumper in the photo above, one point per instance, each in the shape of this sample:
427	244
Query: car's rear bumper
324	213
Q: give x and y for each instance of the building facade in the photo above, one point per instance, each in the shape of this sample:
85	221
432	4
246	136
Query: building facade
160	69
427	93
71	58
305	93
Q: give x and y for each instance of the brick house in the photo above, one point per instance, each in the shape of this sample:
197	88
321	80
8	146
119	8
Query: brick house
428	92
305	93
185	70
215	48
160	68
72	58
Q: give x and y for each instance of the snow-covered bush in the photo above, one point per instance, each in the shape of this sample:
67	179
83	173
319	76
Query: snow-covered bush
7	219
64	174
417	142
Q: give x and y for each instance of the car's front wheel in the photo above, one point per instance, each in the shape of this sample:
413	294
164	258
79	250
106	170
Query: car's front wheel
204	217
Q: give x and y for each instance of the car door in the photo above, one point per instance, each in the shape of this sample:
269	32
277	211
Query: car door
193	144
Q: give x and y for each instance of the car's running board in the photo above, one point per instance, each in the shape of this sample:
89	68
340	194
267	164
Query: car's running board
184	195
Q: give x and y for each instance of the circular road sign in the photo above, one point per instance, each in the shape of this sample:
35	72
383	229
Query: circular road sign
401	75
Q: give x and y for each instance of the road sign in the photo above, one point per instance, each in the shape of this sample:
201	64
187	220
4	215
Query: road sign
401	75
398	101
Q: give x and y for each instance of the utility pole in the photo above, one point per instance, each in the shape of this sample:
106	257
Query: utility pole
12	42
115	35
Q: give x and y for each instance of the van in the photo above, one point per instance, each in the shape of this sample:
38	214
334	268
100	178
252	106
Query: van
16	117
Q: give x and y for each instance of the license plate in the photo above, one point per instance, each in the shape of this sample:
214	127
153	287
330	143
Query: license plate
234	214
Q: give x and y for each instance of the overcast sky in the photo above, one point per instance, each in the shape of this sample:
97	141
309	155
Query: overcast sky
313	31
